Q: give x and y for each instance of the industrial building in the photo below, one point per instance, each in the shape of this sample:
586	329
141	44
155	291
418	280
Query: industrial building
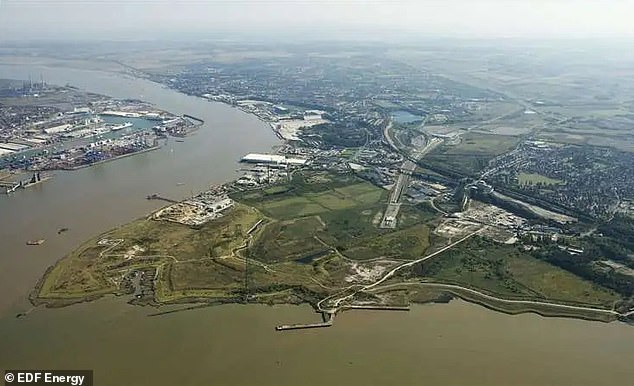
273	159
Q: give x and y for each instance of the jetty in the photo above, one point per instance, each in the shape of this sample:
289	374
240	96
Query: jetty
12	186
157	196
200	121
376	308
329	316
328	321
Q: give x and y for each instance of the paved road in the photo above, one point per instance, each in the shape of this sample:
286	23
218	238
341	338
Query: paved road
402	181
386	135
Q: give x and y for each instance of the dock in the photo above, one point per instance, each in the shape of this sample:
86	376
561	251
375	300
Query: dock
328	320
12	186
200	121
376	308
329	317
284	327
157	196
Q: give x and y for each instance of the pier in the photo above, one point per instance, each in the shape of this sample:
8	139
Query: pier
377	308
328	320
284	327
12	186
329	317
200	121
157	196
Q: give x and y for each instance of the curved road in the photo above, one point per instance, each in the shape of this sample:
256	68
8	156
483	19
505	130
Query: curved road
510	301
390	274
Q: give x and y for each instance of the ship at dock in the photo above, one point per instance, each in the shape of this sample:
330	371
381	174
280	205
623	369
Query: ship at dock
121	127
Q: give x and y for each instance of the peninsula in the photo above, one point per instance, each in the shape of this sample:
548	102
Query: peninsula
431	190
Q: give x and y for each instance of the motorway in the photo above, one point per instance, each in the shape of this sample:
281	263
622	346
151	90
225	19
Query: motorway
386	135
402	181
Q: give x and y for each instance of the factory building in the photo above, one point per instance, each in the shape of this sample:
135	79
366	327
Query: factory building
273	160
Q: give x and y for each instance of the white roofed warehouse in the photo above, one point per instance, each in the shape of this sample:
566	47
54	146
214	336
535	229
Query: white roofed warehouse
273	159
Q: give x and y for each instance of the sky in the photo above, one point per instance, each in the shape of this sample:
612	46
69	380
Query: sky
315	19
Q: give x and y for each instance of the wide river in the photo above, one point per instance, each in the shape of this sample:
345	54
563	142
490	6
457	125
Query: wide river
454	344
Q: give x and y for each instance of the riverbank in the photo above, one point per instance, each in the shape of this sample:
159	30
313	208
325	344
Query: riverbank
516	307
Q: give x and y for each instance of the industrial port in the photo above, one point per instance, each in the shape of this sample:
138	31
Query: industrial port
46	127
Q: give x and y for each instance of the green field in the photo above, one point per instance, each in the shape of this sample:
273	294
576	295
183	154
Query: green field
291	207
288	240
94	268
410	244
333	213
510	273
204	274
473	152
206	263
534	179
484	144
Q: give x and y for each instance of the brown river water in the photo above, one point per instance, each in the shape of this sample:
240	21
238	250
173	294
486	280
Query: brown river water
454	344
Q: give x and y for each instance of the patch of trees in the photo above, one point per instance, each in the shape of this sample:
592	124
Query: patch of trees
333	134
583	265
438	165
620	228
457	165
610	249
434	178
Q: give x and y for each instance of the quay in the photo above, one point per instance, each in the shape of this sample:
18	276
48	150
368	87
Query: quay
157	196
328	320
329	317
284	327
11	187
377	308
200	121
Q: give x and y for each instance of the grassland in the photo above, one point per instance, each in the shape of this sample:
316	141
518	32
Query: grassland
99	265
408	244
312	218
485	144
473	152
506	271
300	199
289	240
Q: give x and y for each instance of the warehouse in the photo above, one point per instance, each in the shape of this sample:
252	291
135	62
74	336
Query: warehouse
272	159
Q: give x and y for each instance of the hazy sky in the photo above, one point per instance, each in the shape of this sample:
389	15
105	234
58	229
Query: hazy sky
142	19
